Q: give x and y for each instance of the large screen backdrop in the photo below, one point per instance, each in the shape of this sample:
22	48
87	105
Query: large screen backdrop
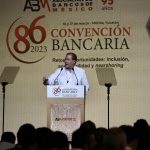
36	35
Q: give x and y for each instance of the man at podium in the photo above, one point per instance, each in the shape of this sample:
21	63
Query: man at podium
70	74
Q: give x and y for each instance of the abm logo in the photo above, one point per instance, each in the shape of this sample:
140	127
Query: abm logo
35	5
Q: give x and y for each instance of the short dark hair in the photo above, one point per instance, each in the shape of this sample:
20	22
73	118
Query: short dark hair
8	137
59	140
26	135
74	56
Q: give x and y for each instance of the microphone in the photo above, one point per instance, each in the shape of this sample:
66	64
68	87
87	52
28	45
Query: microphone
56	79
75	75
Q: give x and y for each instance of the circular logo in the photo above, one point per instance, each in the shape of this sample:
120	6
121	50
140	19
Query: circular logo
25	40
56	91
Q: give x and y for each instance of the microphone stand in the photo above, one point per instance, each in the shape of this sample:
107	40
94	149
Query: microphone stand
3	91
56	79
108	85
75	75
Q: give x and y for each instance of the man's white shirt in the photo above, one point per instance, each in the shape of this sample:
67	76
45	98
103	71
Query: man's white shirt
63	76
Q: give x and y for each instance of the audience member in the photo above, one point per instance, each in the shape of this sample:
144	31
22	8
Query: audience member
7	140
99	135
59	141
115	140
141	126
132	139
44	138
88	125
26	137
83	139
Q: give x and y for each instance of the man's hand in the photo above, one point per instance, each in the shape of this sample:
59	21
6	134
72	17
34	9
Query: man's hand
45	81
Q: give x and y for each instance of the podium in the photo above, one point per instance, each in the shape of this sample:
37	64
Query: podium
65	108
